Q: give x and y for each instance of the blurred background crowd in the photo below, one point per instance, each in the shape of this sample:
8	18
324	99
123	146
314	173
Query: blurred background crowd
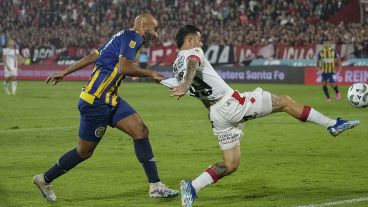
87	23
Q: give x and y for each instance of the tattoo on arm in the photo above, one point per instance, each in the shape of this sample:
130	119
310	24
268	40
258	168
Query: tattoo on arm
191	71
220	169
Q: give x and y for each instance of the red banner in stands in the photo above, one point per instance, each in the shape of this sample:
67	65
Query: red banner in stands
347	76
163	55
41	72
292	52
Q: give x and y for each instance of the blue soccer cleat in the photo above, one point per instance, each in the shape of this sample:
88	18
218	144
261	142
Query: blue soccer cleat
342	125
188	193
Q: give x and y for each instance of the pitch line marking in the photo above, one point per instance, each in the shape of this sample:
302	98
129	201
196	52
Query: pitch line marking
356	200
31	129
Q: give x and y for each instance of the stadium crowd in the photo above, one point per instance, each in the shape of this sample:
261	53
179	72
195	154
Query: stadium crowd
83	23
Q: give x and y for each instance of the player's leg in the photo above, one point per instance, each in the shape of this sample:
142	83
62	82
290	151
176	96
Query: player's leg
325	91
230	163
306	113
14	84
6	85
127	120
333	84
93	124
65	163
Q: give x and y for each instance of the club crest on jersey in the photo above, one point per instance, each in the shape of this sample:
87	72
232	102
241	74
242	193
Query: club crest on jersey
132	44
100	131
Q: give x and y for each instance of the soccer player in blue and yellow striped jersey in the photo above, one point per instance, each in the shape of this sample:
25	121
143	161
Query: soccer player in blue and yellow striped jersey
328	63
99	105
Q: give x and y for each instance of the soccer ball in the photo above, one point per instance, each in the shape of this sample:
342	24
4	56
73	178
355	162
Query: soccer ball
358	95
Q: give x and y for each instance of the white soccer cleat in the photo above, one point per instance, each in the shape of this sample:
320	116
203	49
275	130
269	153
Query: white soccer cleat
160	190
45	188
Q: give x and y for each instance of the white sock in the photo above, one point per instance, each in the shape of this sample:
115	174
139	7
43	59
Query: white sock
14	87
202	181
6	87
318	118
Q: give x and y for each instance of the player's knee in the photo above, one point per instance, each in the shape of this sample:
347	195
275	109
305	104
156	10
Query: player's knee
232	165
140	132
84	153
286	100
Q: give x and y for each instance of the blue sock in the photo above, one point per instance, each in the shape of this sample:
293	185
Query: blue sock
63	165
325	90
336	89
144	153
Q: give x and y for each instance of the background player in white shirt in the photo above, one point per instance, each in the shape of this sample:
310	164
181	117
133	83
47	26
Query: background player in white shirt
228	108
10	60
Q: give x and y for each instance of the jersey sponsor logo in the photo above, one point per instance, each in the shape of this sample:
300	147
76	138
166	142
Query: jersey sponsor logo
100	131
132	44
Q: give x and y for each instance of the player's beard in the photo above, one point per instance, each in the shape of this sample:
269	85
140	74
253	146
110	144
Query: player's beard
147	39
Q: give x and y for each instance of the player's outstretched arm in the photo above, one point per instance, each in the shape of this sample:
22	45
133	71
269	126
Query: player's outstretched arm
183	88
87	60
128	68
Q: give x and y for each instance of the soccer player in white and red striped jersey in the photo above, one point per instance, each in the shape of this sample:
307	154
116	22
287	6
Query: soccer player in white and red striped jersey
229	109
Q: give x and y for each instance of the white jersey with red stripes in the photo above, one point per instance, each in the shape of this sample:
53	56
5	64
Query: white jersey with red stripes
207	84
231	108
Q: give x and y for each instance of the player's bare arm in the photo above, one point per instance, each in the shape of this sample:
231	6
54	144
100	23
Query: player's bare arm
182	89
128	68
87	60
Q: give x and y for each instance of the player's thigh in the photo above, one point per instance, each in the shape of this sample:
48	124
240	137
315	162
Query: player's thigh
260	104
228	134
93	120
128	120
8	74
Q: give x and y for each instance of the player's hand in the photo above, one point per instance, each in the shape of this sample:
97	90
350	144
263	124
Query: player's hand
157	77
55	78
180	90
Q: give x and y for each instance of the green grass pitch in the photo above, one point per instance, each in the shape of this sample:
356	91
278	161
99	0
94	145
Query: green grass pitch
284	162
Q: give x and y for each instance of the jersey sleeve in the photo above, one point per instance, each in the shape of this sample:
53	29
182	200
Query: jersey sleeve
98	50
130	45
196	54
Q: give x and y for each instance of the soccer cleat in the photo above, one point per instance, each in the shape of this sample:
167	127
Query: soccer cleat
188	193
160	190
328	100
342	125
45	188
338	96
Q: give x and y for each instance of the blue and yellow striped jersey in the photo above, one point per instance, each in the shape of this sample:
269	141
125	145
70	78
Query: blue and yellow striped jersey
106	79
327	60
